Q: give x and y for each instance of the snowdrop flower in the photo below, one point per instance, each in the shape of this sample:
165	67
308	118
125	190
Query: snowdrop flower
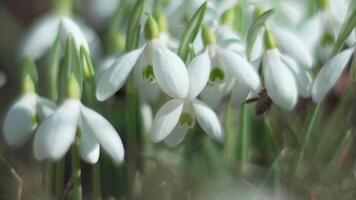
281	75
330	74
227	69
226	36
153	63
21	119
43	33
326	25
178	115
58	132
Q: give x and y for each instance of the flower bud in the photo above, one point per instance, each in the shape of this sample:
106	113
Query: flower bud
151	28
270	42
208	36
228	17
73	88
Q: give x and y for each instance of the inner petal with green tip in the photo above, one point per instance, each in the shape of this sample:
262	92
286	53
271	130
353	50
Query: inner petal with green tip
217	76
186	120
148	75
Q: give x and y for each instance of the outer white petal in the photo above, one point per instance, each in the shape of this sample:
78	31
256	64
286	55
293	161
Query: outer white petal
69	27
56	134
208	120
311	31
279	80
105	133
176	137
89	148
166	119
19	120
329	74
213	95
171	73
239	93
303	77
199	71
45	107
112	79
243	71
294	46
40	37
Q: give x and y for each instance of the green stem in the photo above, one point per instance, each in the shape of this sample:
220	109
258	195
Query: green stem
60	165
96	181
245	137
230	137
132	132
48	182
76	173
310	129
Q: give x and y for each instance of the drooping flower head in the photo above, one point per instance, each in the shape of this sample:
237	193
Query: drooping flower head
153	63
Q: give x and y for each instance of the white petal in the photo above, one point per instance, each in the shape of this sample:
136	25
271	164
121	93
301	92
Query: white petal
19	120
303	77
243	71
239	93
69	27
114	78
199	71
213	95
208	120
176	137
40	37
46	107
171	73
279	80
291	44
329	74
105	133
56	134
89	148
166	119
312	31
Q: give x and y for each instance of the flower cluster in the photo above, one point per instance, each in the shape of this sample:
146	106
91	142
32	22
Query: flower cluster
277	53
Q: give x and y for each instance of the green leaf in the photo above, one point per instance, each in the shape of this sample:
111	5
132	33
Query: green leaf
133	29
191	31
353	68
255	28
52	71
346	29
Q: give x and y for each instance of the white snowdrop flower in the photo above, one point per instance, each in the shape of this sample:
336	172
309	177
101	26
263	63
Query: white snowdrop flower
178	115
279	79
153	63
41	36
227	69
291	44
330	74
58	132
326	23
23	115
21	119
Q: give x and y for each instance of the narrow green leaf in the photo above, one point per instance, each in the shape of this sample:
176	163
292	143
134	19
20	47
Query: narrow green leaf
191	31
133	29
255	28
347	27
353	68
52	71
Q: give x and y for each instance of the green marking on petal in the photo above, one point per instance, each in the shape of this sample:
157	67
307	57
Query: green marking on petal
148	75
217	76
186	120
